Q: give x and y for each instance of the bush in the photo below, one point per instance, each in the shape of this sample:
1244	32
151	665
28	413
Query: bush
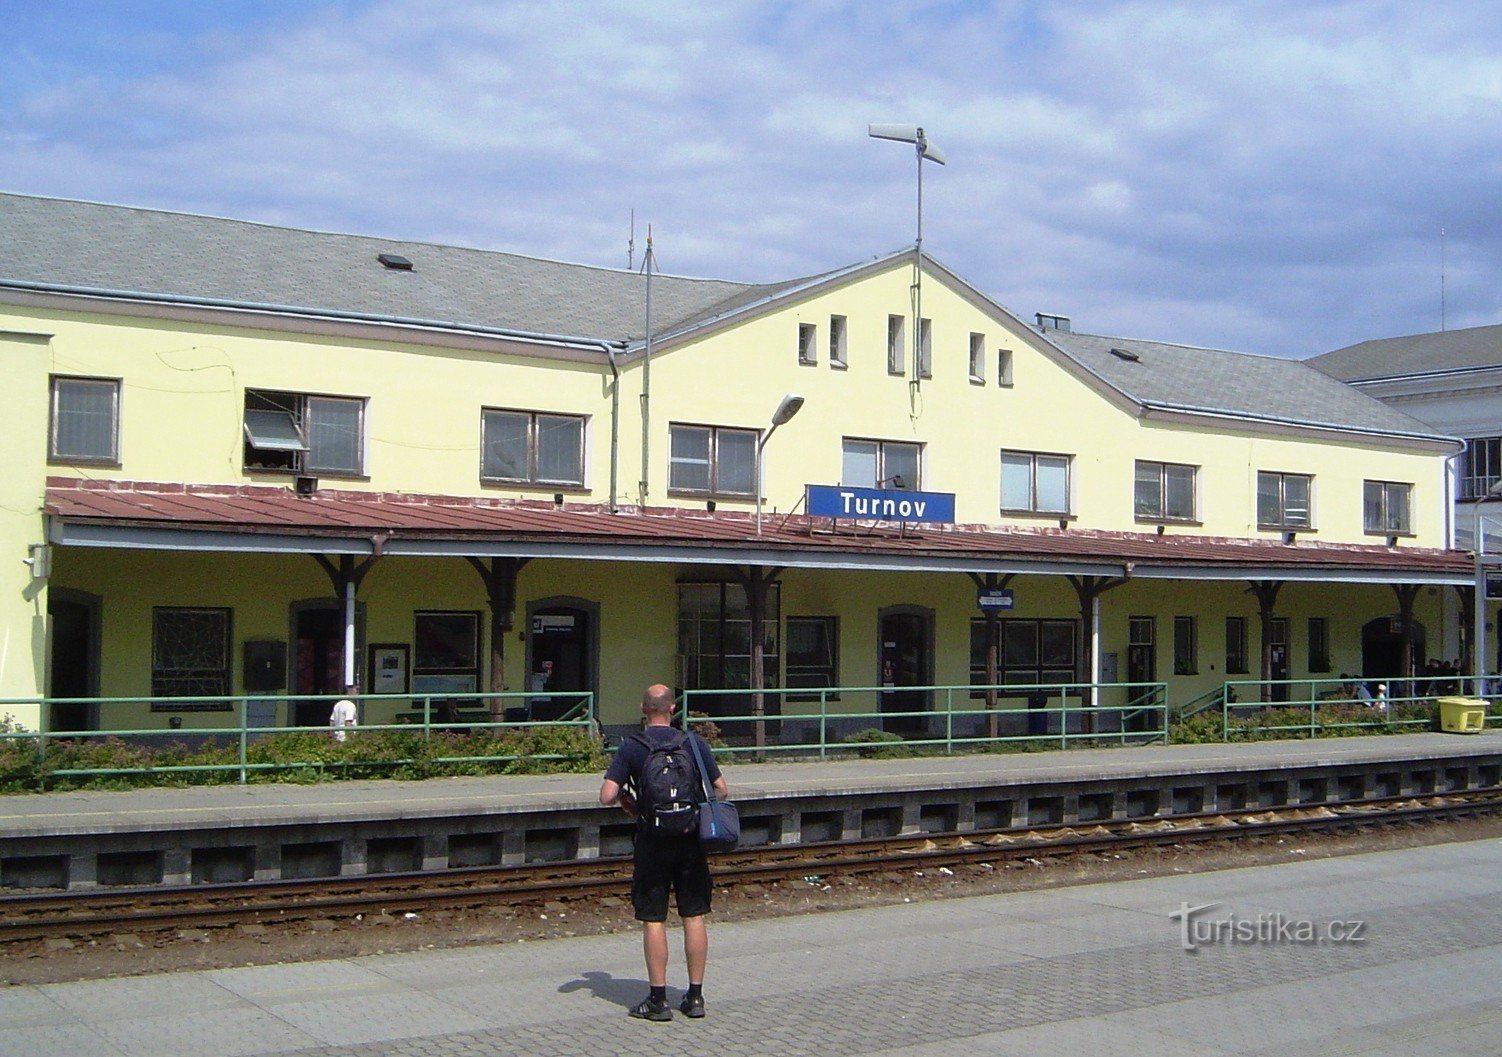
878	744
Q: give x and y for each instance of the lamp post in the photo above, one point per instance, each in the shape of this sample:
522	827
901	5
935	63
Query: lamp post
925	151
1478	612
789	407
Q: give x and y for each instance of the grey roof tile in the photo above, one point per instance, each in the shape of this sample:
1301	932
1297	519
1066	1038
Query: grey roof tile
1445	350
98	247
1263	387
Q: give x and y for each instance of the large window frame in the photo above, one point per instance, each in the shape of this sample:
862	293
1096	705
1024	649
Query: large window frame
1029	463
1279	503
884	453
897	344
812	655
1319	644
190	657
1165	491
1387	508
681	433
838	341
714	643
292	432
446	657
536	427
1186	650
1029	652
1236	655
76	406
1480	467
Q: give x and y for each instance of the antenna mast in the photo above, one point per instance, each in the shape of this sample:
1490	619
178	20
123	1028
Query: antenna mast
631	245
648	264
1441	279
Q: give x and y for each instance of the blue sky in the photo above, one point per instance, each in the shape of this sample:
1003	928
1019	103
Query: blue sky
1263	176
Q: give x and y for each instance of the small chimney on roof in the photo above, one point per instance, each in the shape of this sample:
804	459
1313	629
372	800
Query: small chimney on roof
1050	321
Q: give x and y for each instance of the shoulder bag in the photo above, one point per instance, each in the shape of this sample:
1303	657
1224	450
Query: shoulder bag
719	821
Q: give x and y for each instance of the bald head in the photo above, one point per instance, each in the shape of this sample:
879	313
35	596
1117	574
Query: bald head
657	701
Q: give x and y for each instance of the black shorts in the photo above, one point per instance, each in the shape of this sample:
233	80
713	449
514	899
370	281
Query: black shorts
663	863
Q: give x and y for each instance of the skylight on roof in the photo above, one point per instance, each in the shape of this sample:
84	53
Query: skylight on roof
395	261
1125	354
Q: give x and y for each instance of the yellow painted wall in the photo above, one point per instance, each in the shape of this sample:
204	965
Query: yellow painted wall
23	438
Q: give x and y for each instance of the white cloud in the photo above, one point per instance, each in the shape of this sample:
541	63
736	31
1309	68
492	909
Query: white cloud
1267	176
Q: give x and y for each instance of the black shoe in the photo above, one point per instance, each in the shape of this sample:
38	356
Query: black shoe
692	1006
647	1009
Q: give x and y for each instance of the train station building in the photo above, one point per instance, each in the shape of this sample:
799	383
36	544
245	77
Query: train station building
252	460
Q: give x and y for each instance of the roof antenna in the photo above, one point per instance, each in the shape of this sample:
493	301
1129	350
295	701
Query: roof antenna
1441	279
631	245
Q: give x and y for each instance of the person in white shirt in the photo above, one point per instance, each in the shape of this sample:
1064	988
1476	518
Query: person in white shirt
344	715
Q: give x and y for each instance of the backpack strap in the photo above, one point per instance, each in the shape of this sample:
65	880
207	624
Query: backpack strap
693	743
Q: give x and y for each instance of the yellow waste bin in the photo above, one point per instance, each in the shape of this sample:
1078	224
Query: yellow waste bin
1462	715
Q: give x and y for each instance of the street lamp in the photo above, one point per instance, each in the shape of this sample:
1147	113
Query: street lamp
1478	612
925	151
785	411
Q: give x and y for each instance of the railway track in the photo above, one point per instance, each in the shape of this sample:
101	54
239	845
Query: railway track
81	915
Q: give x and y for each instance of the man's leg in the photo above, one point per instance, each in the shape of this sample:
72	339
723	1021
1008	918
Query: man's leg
695	948
654	941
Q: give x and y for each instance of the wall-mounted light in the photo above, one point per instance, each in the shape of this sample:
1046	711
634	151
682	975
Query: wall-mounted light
303	485
1289	537
558	500
39	557
1392	541
709	505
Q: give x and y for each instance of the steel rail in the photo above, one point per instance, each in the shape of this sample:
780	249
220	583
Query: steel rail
93	913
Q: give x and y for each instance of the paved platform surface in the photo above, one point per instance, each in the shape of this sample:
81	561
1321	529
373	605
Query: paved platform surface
1098	969
234	805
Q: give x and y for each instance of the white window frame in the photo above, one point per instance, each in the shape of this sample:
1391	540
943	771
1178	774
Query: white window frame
1032	483
1004	368
838	339
58	383
925	348
808	344
881	461
534	435
297	406
896	344
714	490
977	358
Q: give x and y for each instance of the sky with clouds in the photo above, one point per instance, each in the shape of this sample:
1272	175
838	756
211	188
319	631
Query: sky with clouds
1264	176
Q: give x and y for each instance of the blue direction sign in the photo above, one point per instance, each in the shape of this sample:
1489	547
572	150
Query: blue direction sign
879	504
999	598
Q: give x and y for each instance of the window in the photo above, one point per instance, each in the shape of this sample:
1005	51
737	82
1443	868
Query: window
1034	483
1283	500
1319	644
978	358
812	655
808	344
896	345
712	460
1235	645
1385	507
1480	466
880	463
714	644
1028	652
299	433
190	658
1186	654
925	348
532	447
1004	368
1164	491
446	652
837	341
85	420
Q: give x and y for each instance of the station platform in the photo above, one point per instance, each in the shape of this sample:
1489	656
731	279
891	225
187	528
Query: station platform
1099	969
232	833
83	812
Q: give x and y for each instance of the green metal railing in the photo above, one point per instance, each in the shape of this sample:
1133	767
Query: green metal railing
1311	706
429	715
1064	717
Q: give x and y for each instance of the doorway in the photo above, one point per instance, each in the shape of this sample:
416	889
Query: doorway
1277	634
318	658
904	659
74	668
562	654
1382	648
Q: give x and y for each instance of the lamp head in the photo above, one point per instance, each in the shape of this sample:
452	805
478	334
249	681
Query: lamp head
787	409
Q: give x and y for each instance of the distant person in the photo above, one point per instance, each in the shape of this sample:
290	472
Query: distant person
667	854
1362	693
344	714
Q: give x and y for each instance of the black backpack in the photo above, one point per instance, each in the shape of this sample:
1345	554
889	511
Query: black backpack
668	791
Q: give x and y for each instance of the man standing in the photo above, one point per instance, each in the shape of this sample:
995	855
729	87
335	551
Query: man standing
667	854
344	713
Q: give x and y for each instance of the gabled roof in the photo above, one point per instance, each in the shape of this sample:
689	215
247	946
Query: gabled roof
1414	354
57	244
1164	376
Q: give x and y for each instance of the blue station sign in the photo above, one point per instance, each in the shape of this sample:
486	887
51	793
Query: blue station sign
879	504
996	598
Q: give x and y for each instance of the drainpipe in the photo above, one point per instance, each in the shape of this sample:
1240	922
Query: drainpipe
349	633
649	259
615	419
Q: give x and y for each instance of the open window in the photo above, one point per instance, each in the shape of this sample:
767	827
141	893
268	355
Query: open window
301	433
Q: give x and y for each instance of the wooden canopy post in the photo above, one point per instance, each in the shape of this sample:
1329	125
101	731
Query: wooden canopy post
499	578
991	582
